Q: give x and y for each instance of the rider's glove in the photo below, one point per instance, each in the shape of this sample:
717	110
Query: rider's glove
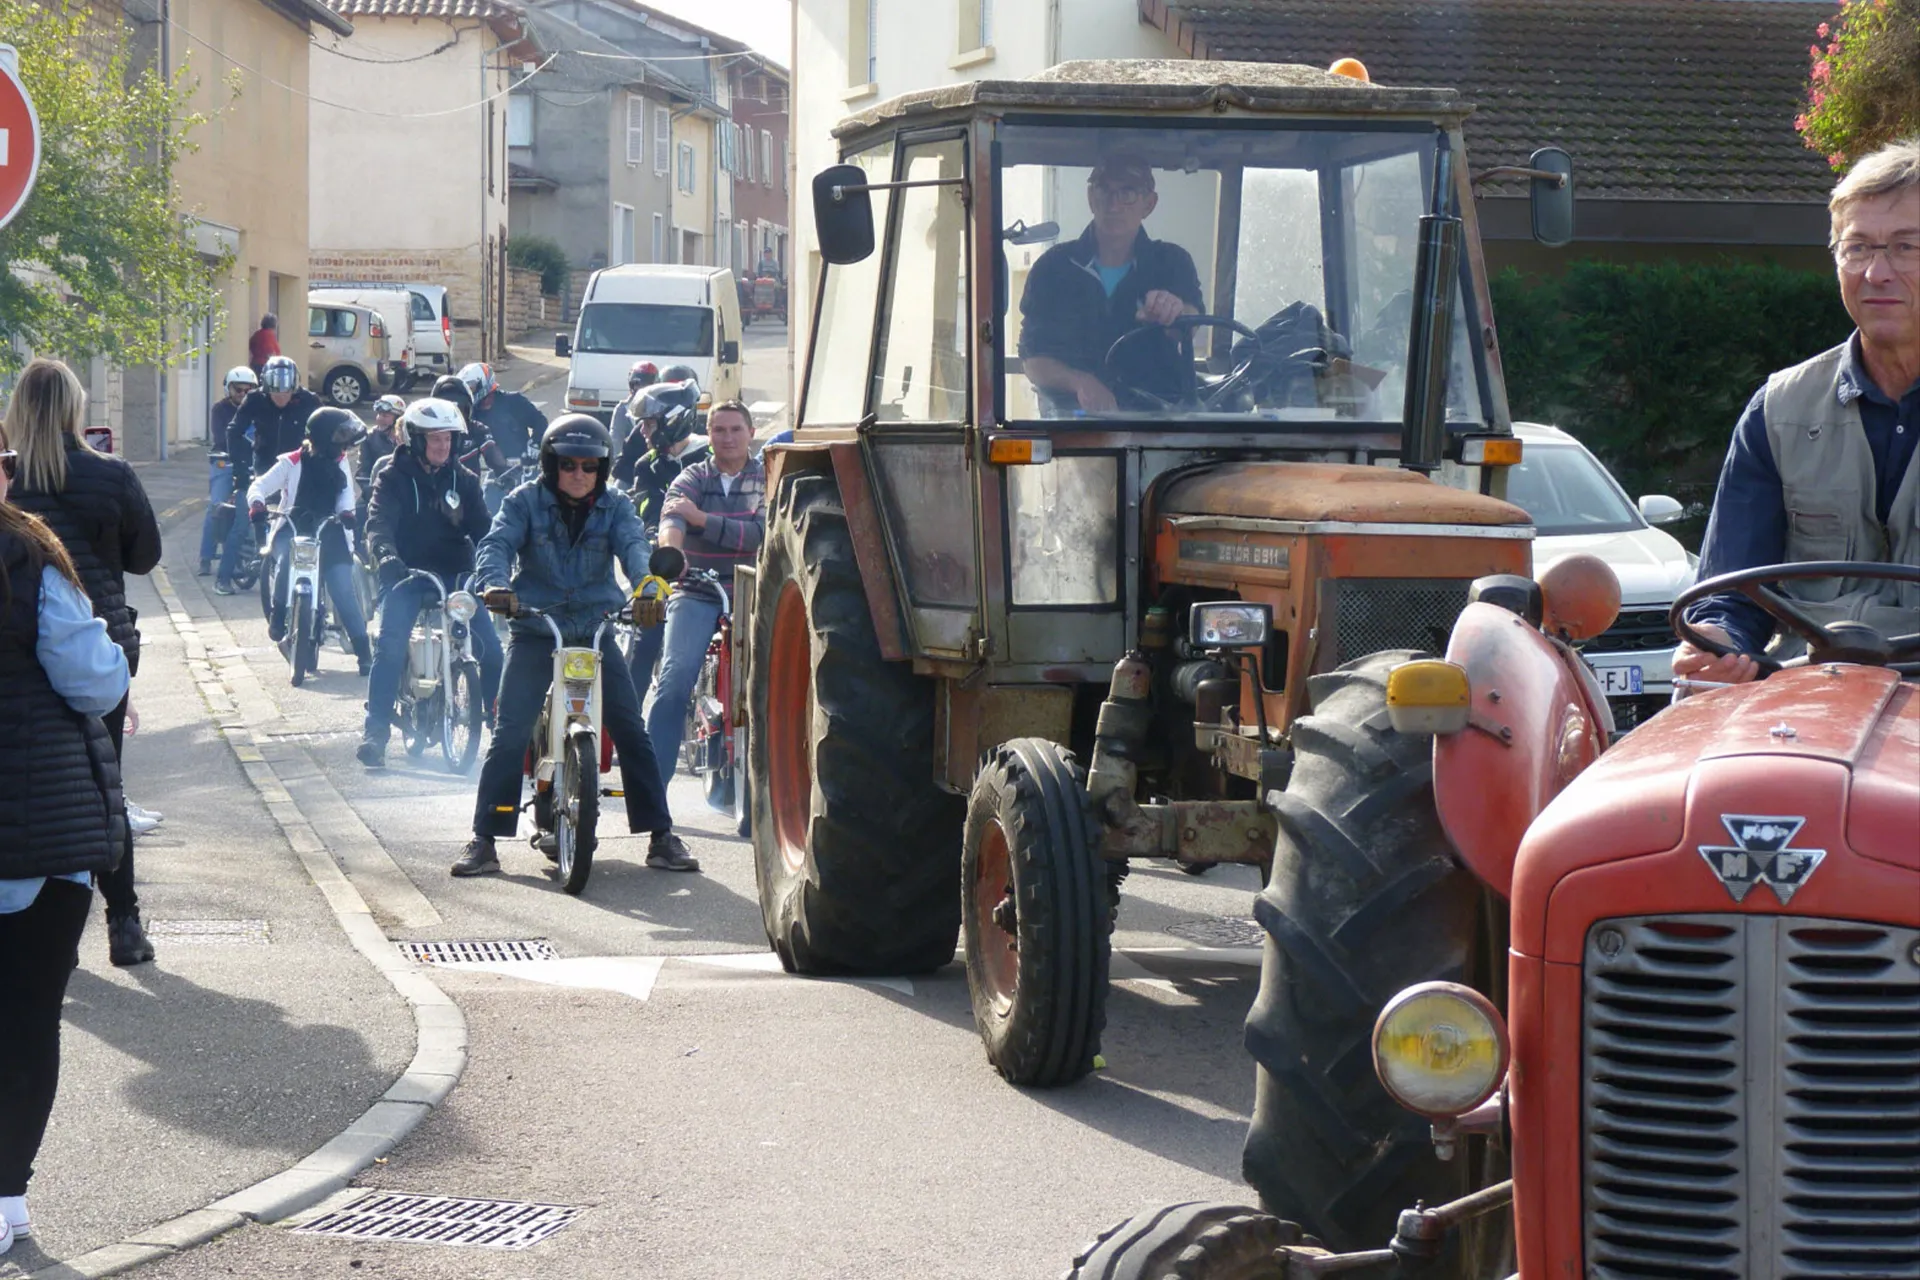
501	600
650	603
392	571
257	510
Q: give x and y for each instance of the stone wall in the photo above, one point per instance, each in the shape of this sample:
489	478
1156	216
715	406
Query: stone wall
528	310
458	270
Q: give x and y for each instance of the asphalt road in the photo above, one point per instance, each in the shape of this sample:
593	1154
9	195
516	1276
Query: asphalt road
710	1116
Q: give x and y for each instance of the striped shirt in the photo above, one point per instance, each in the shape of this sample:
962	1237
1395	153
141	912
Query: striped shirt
736	515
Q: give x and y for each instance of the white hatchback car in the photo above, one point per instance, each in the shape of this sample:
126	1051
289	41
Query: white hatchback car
1577	505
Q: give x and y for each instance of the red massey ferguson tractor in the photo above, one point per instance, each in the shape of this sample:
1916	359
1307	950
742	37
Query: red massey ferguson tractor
1705	1058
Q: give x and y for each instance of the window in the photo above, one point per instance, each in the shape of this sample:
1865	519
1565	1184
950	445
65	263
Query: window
635	328
487	146
976	25
746	151
659	238
316	322
723	240
623	245
662	139
766	157
786	162
636	128
921	373
863	63
686	167
835	391
520	120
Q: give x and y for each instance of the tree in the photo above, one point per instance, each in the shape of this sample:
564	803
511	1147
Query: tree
1864	87
99	260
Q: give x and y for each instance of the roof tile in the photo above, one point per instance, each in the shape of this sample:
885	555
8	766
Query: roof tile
486	10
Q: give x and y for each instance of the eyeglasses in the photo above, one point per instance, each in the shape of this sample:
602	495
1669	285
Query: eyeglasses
10	463
1854	256
589	465
1118	197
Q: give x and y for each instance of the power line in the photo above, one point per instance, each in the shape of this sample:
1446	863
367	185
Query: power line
394	62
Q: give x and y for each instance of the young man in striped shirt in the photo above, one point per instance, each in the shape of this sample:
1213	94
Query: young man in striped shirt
715	512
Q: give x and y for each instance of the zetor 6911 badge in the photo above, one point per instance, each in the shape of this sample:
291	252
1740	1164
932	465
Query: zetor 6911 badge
1705	1057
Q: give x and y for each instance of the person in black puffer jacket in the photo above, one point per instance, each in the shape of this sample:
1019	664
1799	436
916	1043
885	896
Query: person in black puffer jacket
61	820
101	514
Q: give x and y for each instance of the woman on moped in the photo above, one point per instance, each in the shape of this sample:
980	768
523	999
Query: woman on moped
314	482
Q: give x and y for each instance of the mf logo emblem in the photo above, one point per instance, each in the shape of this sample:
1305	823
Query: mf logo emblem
1760	854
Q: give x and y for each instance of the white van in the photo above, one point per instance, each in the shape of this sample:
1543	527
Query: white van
417	314
652	311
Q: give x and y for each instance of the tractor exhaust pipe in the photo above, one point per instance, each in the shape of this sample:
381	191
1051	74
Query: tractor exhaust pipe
1436	272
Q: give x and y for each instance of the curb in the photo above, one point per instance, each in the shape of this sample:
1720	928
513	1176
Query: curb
440	1046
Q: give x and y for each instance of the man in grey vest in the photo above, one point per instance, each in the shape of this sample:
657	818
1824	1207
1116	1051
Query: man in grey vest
1822	464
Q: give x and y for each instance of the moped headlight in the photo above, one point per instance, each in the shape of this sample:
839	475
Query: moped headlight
579	664
462	605
1440	1049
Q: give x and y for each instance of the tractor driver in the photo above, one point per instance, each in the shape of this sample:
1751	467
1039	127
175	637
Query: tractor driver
1822	464
1082	296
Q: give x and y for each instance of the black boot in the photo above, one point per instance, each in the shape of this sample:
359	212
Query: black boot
363	654
126	941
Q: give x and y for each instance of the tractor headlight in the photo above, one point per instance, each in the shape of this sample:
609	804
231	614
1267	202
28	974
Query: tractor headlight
461	606
579	664
1440	1049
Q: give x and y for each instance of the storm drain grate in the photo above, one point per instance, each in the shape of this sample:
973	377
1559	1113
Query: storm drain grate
242	933
478	952
414	1219
1220	931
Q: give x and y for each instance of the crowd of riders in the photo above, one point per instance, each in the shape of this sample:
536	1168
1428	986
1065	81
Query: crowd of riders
563	505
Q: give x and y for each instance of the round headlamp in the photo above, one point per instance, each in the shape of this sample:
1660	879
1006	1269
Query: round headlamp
1440	1049
461	606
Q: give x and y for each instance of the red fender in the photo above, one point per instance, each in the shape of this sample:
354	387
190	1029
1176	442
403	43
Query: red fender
1533	726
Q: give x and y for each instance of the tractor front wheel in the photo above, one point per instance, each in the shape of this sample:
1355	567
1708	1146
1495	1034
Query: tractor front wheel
1195	1241
856	851
1033	910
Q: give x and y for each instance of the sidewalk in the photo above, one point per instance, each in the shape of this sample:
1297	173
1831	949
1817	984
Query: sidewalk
258	1033
528	366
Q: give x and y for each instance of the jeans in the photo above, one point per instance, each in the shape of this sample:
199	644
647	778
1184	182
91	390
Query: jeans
336	567
643	655
398	612
523	692
691	622
116	886
219	489
39	950
241	529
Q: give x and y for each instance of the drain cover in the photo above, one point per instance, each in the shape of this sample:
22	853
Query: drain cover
1220	931
414	1219
478	952
246	933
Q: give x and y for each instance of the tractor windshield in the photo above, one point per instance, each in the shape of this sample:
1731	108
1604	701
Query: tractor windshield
1224	270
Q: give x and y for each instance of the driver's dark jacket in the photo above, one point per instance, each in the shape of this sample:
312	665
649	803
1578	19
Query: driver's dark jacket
513	420
531	549
408	516
1065	312
276	430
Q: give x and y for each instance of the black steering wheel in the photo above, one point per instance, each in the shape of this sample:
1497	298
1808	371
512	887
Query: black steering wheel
1826	641
1196	397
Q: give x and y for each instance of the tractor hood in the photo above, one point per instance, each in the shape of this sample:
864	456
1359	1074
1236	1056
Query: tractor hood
1316	493
1813	759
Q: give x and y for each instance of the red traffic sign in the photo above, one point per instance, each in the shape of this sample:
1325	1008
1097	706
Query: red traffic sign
19	138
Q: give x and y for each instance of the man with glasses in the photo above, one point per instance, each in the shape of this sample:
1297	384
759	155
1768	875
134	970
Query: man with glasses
556	543
1822	466
1082	296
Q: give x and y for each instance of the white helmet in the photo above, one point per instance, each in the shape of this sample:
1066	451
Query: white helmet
390	404
426	416
479	380
243	375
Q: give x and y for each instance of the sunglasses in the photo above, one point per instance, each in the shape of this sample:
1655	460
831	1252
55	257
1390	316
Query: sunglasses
10	463
589	465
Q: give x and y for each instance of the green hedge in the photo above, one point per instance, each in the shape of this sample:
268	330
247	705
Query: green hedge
1650	365
537	253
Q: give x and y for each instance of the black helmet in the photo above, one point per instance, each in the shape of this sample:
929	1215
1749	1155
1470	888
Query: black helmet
575	435
681	373
673	408
449	387
332	431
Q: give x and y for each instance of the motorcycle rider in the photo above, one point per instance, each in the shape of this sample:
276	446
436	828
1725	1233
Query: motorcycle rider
425	513
512	420
661	445
386	436
240	381
450	388
275	417
623	425
715	512
314	482
556	541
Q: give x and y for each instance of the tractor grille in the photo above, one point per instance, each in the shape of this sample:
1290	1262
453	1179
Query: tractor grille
1751	1099
1635	631
1371	614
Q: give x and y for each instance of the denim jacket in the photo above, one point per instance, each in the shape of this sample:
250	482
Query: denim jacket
529	549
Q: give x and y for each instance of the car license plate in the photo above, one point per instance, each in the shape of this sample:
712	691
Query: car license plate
1620	682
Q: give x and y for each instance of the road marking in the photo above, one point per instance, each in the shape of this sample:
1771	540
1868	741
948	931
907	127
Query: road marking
625	975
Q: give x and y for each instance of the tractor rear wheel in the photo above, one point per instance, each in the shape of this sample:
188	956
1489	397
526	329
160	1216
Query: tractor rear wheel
1365	899
856	851
1195	1241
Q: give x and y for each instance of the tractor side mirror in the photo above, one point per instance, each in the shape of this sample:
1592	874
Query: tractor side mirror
1229	624
1551	201
667	562
562	345
843	214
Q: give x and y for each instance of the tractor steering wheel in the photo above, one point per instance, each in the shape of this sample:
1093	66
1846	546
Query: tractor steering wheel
1826	641
1197	397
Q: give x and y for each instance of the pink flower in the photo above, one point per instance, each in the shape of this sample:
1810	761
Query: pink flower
1836	161
1819	98
1822	71
1800	123
1821	31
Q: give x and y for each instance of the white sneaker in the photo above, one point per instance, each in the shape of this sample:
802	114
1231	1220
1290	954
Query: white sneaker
141	811
13	1212
6	1236
141	825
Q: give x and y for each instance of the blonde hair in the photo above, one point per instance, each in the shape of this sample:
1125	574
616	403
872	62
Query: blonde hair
1894	167
43	544
48	409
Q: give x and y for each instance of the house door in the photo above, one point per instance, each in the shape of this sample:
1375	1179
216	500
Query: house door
192	402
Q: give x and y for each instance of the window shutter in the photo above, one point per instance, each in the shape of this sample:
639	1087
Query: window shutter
662	140
766	157
636	128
